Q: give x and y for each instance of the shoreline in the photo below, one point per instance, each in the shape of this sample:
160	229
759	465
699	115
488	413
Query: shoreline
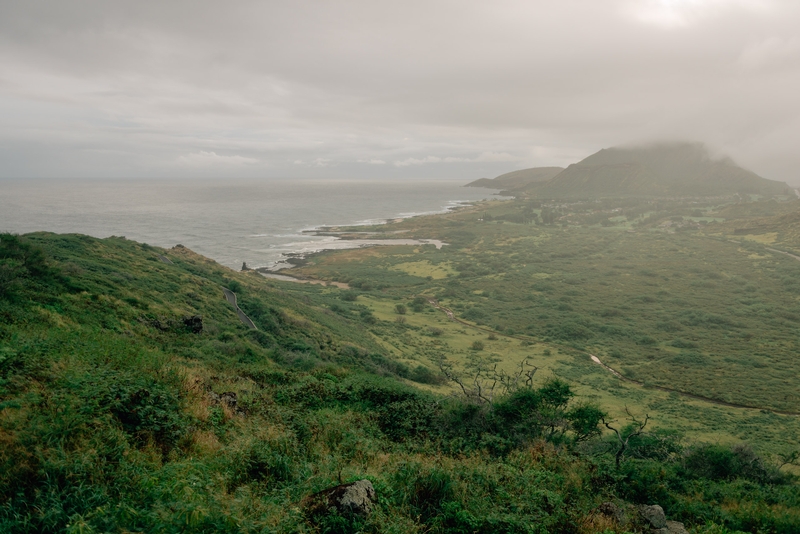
344	243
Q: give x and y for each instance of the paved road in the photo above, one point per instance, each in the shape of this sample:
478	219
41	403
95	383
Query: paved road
230	296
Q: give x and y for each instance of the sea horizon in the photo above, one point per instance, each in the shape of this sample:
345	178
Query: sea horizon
231	221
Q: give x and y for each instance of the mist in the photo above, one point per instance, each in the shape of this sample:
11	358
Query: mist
362	89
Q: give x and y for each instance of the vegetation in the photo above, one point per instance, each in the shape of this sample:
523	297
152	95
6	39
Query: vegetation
661	170
119	414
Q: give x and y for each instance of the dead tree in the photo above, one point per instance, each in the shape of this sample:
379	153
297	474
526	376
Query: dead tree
484	383
622	443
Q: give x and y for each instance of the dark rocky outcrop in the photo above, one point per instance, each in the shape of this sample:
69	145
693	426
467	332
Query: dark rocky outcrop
193	323
354	498
229	399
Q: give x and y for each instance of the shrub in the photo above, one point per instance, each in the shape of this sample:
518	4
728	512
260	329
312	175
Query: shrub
349	296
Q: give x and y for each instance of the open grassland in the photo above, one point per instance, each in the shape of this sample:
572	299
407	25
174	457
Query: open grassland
681	310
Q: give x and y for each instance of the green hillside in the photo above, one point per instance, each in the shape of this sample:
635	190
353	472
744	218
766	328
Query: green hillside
679	169
515	180
778	231
133	398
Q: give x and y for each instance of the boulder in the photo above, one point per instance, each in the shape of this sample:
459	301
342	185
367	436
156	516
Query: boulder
674	527
353	498
653	516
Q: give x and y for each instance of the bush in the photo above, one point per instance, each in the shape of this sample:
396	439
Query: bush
349	296
717	462
477	345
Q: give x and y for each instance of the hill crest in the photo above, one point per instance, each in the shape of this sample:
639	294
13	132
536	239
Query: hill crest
656	170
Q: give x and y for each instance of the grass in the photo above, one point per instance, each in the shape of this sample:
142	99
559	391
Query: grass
683	310
112	418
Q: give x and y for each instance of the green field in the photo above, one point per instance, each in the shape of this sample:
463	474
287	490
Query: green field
133	398
683	310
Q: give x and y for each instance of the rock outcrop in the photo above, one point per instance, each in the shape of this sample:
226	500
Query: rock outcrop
653	516
353	498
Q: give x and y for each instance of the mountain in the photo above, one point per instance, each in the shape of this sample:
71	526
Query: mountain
514	180
667	169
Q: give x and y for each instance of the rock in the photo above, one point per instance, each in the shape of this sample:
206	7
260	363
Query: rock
354	498
674	527
193	323
653	516
229	399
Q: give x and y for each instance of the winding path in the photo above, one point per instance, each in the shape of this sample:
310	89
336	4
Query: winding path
782	252
595	359
230	296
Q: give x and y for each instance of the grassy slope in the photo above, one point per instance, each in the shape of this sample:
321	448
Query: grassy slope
782	230
676	310
108	422
517	180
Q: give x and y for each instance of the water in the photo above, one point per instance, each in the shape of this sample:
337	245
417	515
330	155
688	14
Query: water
230	221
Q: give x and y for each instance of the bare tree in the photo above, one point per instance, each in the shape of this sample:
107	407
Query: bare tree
485	382
622	442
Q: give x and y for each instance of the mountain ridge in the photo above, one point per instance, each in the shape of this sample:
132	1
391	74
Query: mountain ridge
657	170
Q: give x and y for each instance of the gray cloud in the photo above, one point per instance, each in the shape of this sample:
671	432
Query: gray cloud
426	89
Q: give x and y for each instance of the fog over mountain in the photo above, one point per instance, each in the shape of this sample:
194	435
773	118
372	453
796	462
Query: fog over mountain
370	89
659	169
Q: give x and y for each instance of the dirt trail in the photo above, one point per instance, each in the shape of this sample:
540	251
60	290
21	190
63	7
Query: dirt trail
782	252
595	359
230	296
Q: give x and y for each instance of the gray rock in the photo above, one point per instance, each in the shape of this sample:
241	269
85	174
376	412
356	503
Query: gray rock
354	498
674	527
358	497
653	516
229	399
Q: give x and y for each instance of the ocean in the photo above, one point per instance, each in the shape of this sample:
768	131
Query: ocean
230	221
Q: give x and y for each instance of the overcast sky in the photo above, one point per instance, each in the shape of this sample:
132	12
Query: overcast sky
425	89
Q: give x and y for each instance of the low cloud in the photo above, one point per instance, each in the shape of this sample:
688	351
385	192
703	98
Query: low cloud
94	88
212	159
417	161
484	157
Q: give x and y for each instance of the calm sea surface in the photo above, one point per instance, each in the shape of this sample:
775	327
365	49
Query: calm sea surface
231	221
